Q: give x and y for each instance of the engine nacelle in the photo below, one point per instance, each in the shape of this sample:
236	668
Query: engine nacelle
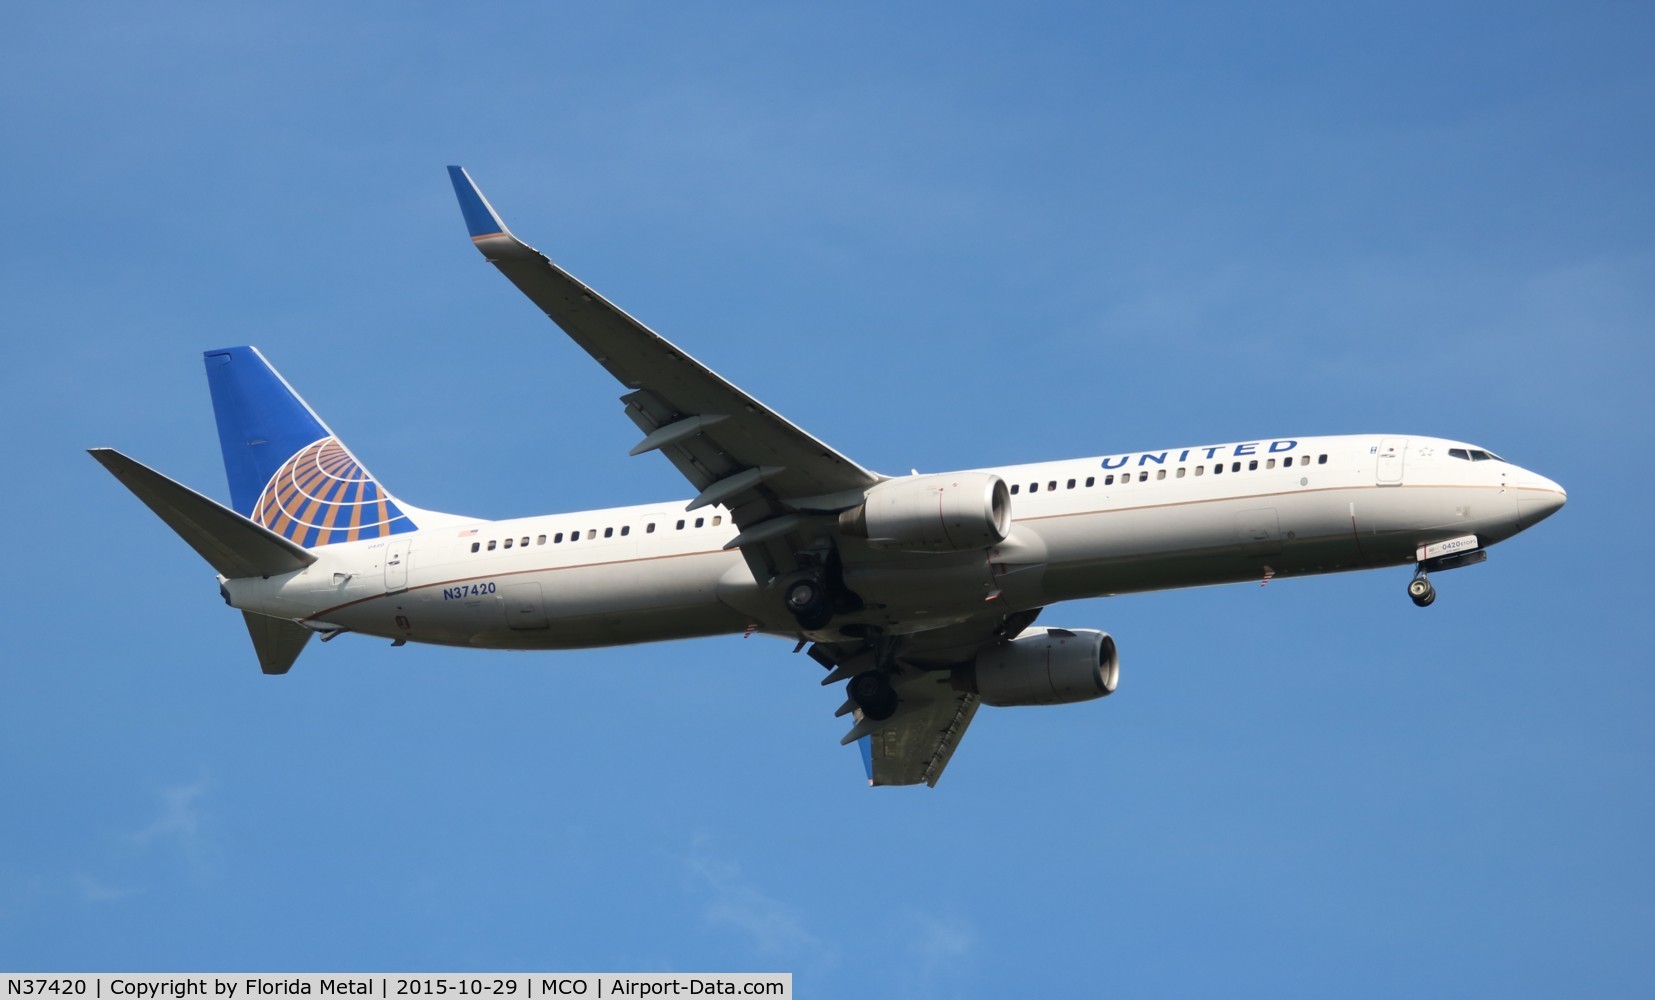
1044	666
946	513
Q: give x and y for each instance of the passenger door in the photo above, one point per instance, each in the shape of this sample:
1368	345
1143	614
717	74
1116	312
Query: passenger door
1388	466
396	564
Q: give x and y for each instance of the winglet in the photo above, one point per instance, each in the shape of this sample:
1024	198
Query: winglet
481	221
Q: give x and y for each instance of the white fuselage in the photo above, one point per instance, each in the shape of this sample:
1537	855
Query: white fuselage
1081	528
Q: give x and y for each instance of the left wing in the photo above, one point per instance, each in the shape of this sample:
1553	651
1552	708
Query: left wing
777	481
733	449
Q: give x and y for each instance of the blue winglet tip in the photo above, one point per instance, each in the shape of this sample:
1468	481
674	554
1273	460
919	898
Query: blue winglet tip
865	744
480	219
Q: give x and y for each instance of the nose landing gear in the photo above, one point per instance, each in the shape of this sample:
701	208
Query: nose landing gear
1421	591
1466	550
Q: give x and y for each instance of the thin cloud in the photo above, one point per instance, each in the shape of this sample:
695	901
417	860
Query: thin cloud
95	890
182	826
774	928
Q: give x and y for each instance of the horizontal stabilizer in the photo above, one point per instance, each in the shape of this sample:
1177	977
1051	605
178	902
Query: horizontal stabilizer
233	545
277	641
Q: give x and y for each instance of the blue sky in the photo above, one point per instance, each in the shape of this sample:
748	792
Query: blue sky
937	237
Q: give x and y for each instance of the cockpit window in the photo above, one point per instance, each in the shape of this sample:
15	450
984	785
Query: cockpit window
1474	455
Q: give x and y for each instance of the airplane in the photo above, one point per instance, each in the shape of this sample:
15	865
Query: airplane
919	593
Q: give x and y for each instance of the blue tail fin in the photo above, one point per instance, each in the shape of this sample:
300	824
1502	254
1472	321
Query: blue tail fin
287	471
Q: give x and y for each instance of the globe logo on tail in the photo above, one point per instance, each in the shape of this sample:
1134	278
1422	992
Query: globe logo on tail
322	495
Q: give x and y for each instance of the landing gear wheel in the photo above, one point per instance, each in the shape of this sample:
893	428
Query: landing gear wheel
808	600
1421	591
873	694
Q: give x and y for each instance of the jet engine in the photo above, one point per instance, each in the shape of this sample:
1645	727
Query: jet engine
1044	666
947	513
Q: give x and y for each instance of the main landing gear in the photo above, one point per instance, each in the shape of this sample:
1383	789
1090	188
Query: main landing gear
873	694
1421	592
809	601
819	592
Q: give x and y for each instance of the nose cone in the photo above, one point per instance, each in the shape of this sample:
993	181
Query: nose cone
1537	499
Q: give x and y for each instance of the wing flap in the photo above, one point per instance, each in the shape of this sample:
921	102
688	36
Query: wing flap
918	743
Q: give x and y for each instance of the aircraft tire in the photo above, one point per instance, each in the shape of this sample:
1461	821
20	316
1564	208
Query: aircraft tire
873	694
1421	592
807	599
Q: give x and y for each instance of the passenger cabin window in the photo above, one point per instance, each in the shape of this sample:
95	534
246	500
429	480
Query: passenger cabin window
574	536
718	519
491	545
1321	460
1160	473
1091	481
1235	466
1180	472
1200	470
1051	485
524	542
1071	484
591	533
1287	463
626	529
649	529
1034	487
1218	469
557	539
680	524
476	545
1252	466
1143	477
700	521
1014	488
541	540
609	532
508	543
1109	480
1270	463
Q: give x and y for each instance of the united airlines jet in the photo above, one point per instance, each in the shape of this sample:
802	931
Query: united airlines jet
919	593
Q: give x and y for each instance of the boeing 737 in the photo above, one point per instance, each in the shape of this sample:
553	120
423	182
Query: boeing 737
919	593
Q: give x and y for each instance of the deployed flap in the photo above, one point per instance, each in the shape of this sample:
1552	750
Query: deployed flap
915	745
277	641
233	545
710	430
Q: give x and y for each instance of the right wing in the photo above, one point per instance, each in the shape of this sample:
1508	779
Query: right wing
920	740
916	743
